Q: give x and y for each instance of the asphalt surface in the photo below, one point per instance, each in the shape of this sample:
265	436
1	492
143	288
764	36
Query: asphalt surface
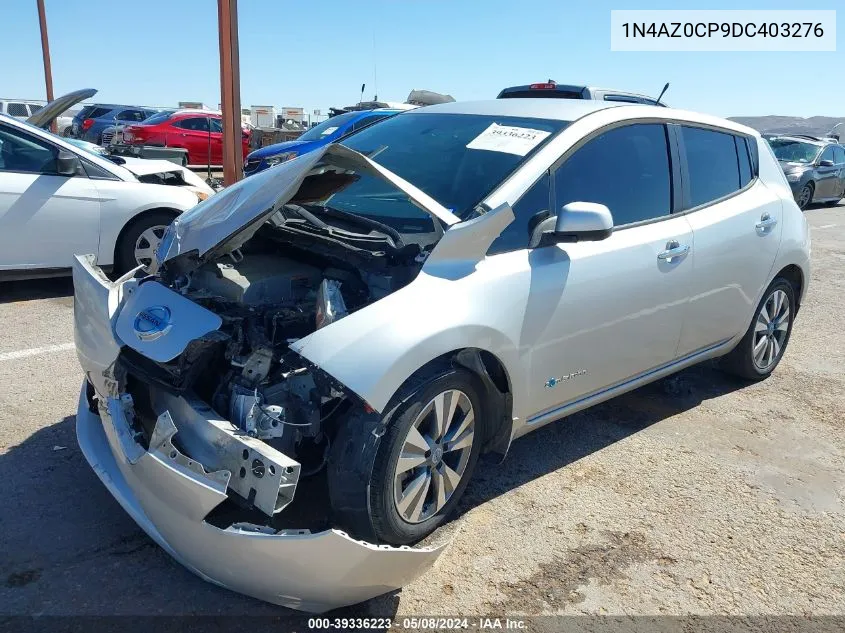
694	495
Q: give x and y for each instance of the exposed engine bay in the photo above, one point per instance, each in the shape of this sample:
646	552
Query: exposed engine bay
284	284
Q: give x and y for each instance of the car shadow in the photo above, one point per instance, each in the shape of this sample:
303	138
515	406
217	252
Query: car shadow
65	534
29	289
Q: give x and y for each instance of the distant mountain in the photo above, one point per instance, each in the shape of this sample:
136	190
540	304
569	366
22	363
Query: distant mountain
815	125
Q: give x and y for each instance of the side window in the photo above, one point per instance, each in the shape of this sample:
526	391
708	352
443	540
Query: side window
21	152
827	154
626	169
18	109
712	163
533	207
216	125
198	124
744	161
131	115
839	154
34	107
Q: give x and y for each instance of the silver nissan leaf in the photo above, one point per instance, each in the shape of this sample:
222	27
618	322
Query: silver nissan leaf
297	389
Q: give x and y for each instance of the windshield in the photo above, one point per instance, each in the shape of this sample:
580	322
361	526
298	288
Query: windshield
457	159
329	126
794	151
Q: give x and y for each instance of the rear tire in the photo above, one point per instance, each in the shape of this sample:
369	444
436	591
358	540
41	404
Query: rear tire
140	237
420	467
760	350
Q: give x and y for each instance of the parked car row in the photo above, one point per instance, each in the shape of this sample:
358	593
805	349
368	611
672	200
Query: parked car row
814	167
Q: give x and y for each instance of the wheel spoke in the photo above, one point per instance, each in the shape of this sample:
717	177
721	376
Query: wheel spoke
458	429
760	350
769	352
760	325
415	441
451	479
775	347
439	490
413	497
444	410
782	324
144	253
764	314
462	441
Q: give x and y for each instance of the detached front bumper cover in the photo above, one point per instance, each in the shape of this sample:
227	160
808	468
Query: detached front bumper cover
169	494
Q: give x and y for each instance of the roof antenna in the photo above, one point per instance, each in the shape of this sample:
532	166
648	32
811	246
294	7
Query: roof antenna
362	92
663	92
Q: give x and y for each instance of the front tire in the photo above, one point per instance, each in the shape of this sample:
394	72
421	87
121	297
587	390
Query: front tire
140	239
805	196
421	466
760	350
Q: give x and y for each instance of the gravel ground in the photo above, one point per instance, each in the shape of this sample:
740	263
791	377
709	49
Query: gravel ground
694	495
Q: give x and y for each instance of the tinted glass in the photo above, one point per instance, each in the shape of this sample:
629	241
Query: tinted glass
97	113
744	161
626	169
839	154
329	126
454	158
24	153
132	115
198	124
18	109
827	154
712	163
155	119
368	121
216	125
34	107
533	207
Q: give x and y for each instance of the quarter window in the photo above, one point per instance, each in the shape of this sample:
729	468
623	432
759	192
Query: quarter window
712	162
626	169
839	155
744	160
827	154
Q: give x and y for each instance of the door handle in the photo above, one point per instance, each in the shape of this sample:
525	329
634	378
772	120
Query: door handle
766	221
673	250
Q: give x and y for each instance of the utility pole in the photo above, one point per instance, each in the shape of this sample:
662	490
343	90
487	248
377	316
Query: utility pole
45	51
230	90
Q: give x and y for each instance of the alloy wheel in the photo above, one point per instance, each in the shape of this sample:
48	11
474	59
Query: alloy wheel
805	197
434	456
770	329
147	243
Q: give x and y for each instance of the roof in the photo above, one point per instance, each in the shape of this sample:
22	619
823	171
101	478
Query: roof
541	108
811	140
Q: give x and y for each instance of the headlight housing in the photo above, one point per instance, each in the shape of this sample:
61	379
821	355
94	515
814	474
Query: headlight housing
794	176
281	158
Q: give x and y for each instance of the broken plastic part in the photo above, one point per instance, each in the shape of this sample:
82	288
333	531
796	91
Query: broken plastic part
330	304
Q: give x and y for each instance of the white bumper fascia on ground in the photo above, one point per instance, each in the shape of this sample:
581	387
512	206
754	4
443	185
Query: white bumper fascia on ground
169	494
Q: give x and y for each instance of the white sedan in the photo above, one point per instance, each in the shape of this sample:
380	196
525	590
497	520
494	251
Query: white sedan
57	199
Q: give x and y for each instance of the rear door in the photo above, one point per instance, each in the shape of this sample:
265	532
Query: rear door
737	225
45	218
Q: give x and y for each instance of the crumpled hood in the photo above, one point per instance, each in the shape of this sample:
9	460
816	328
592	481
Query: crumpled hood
281	148
224	222
789	166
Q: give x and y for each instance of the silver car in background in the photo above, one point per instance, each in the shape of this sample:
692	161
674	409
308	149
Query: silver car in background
378	313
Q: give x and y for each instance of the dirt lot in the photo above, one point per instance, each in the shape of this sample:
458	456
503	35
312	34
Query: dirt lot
693	495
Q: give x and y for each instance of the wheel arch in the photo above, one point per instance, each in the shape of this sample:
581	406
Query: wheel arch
134	220
795	276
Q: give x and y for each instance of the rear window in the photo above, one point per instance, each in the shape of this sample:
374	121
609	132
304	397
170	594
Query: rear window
155	119
712	162
94	112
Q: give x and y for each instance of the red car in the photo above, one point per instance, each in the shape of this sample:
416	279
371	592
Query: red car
201	133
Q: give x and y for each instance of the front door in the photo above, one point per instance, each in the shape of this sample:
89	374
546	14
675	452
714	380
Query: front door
602	313
828	176
45	218
192	133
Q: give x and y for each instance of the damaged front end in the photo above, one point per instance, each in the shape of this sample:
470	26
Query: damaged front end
201	419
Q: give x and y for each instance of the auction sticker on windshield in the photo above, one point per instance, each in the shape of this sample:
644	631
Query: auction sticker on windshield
508	139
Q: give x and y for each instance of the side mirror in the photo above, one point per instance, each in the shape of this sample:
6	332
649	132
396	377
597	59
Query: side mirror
67	163
579	222
825	163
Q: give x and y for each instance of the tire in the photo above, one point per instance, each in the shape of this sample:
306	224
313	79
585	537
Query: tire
125	253
67	131
373	496
741	361
805	197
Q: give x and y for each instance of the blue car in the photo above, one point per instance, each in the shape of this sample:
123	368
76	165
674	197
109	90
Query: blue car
92	120
321	134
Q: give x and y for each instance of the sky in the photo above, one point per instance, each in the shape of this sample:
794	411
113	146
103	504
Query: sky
316	55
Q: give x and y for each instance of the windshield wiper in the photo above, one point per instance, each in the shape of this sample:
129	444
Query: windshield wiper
306	215
368	222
